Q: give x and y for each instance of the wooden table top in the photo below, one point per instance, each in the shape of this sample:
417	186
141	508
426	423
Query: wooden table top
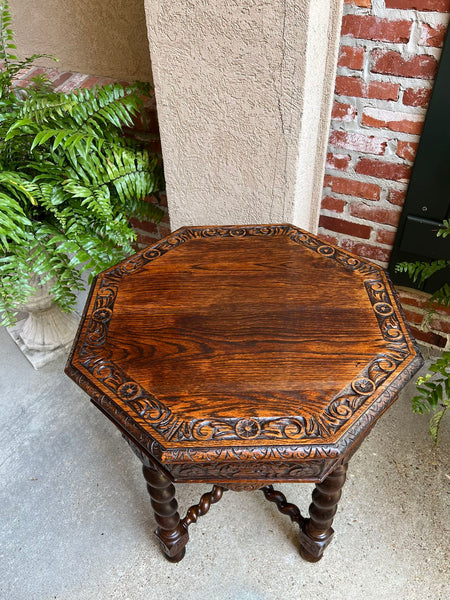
258	341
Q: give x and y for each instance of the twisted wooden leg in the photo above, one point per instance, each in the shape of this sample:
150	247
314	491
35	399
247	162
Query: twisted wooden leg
316	532
200	509
171	534
285	507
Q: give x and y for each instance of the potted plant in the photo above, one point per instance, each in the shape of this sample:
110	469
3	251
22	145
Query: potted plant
434	387
70	181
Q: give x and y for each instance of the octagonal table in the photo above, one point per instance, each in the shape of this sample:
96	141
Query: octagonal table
243	356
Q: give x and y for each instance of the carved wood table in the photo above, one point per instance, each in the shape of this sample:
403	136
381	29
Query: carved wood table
243	356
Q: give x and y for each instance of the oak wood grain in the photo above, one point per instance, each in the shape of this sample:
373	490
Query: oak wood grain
258	336
243	356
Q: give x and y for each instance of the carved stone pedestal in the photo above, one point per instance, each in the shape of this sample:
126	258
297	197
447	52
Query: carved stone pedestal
46	333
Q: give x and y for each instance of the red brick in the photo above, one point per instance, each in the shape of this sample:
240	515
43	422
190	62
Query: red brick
435	5
330	239
378	215
397	197
162	203
440	325
429	337
163	199
337	161
146	240
74	82
362	3
421	300
384	170
335	204
165	220
59	81
417	97
52	74
27	80
407	150
91	81
343	112
368	27
355	86
383	90
21	73
414	298
347	227
350	86
432	36
351	57
351	187
442	310
358	142
388	62
367	250
384	236
413	317
109	81
145	226
163	230
395	121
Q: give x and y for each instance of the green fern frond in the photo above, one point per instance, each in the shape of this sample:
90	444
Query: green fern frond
13	223
70	181
146	211
434	393
11	64
441	297
420	271
110	105
436	420
445	230
434	388
45	108
6	34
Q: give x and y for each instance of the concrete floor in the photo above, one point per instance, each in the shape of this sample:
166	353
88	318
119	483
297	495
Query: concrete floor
76	523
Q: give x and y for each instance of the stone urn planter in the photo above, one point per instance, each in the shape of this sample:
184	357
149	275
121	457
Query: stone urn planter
46	332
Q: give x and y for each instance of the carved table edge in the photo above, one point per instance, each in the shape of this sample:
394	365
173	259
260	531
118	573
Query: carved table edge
327	455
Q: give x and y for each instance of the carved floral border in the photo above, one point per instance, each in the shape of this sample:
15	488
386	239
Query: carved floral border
313	430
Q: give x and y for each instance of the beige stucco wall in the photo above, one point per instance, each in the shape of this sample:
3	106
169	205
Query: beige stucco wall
233	79
90	36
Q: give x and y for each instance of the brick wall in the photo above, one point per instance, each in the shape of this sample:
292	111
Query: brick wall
388	58
145	129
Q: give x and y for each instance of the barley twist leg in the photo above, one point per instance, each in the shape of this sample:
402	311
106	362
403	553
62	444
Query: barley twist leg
316	532
171	534
200	509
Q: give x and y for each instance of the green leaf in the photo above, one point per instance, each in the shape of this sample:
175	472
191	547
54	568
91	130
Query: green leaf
70	181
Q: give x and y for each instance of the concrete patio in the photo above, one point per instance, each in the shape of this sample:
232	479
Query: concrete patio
76	521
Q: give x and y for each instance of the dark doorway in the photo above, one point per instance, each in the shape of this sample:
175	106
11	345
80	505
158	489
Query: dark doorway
427	202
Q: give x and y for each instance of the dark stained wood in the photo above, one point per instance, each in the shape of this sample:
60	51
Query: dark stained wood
244	356
285	507
171	534
316	532
200	509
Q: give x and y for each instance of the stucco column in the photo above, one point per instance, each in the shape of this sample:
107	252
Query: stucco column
244	90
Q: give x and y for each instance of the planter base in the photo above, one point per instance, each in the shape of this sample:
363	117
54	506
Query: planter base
59	334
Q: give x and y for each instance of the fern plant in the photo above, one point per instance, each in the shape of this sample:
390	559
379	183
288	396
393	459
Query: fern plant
434	388
70	181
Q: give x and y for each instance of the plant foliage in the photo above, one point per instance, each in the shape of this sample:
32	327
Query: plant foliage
70	180
434	387
434	393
